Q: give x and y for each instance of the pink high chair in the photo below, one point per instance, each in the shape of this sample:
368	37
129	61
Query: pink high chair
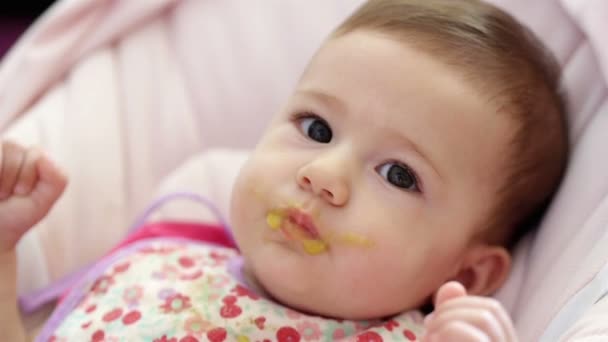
122	92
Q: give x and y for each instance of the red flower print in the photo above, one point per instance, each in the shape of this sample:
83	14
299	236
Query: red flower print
102	284
112	315
230	311
409	335
165	339
98	336
292	314
259	322
218	257
188	339
391	324
176	303
217	335
166	250
90	309
131	317
196	326
245	292
288	334
121	267
309	331
369	336
84	326
229	300
338	334
186	262
192	276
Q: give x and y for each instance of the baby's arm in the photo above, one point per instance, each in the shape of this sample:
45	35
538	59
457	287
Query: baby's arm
11	327
29	186
464	318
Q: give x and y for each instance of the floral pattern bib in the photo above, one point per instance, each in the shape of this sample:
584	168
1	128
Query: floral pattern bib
178	291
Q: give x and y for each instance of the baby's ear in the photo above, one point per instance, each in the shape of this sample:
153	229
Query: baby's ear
484	270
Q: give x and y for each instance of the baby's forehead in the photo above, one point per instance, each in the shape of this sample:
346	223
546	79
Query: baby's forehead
383	65
472	66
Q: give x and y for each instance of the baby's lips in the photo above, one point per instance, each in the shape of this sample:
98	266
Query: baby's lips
303	221
308	236
275	217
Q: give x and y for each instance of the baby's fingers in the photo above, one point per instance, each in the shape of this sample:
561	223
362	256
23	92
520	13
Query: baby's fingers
487	310
12	159
481	320
28	175
51	181
457	331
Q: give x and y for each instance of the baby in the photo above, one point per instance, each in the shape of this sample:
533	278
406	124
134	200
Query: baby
423	139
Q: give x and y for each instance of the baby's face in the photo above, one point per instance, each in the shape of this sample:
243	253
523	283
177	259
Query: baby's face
364	194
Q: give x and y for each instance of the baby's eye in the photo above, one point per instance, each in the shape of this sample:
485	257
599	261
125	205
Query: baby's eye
315	128
399	175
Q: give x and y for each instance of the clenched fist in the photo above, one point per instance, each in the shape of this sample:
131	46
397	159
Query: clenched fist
29	186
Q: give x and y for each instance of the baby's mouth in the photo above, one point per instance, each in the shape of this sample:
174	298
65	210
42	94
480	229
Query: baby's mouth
299	226
302	221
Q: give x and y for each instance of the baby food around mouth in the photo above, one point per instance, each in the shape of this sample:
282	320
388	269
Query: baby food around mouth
278	219
354	239
314	247
274	219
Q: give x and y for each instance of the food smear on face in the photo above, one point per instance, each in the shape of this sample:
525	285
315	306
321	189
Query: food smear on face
296	226
314	247
354	239
274	219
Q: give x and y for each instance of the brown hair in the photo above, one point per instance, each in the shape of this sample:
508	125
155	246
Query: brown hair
512	69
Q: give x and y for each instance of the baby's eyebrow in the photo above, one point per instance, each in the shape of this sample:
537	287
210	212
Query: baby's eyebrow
404	142
334	103
417	150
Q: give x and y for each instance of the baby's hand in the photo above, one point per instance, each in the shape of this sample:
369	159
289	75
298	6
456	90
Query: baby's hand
29	186
463	318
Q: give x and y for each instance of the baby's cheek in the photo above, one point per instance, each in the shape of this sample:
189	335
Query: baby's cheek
244	200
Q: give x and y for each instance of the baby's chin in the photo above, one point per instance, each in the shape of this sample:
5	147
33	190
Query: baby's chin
330	308
314	298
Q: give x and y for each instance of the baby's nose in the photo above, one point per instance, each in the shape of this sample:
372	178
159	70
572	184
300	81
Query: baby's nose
326	181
